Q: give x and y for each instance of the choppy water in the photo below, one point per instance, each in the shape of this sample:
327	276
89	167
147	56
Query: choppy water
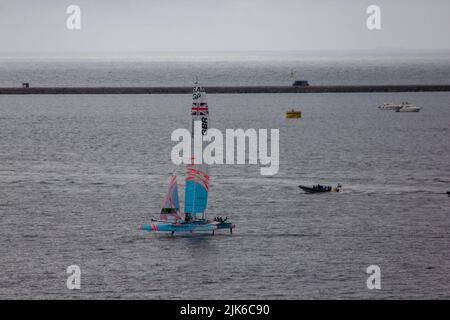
78	173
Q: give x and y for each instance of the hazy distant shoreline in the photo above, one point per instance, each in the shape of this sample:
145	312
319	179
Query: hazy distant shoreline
228	55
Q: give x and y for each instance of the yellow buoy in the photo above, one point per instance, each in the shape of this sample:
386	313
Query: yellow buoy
293	114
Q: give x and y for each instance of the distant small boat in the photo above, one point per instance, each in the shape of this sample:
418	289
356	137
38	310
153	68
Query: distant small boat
293	114
399	107
300	83
320	189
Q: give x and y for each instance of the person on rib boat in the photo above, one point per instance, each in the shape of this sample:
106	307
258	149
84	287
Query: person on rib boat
187	217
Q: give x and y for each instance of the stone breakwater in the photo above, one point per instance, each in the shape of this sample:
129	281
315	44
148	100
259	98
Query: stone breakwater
227	89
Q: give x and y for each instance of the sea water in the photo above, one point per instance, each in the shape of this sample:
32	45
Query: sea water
78	173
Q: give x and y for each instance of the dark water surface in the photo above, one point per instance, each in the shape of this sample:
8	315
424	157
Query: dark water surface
79	173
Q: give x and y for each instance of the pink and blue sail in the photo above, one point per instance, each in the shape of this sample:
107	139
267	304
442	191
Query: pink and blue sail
170	211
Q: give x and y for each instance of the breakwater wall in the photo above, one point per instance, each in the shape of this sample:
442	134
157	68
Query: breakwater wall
227	89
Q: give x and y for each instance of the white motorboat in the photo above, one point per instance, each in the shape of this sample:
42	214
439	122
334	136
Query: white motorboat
395	106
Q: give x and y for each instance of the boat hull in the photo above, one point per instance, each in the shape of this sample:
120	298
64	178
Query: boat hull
200	226
389	108
408	110
311	190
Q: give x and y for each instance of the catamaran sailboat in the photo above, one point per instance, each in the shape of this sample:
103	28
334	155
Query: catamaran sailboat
196	188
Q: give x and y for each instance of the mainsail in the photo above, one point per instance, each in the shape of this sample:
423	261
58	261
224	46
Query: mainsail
197	178
171	206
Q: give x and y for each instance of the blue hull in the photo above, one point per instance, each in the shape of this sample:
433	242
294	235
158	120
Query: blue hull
196	226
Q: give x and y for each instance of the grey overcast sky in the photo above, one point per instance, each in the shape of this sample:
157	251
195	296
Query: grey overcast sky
28	26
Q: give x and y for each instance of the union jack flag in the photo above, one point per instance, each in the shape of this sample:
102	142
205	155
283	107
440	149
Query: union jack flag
200	109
